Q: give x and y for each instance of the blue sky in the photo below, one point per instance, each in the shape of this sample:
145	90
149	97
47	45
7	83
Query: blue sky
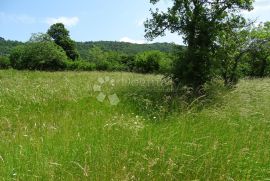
90	20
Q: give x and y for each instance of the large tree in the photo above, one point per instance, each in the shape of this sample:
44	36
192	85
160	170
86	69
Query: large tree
61	37
199	22
232	45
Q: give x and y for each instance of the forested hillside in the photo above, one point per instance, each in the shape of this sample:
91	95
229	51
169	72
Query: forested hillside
100	55
7	45
83	47
123	47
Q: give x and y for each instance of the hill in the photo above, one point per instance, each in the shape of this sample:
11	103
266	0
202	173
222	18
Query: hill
7	45
83	47
124	47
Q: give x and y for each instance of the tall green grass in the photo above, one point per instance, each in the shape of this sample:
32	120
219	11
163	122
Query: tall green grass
52	127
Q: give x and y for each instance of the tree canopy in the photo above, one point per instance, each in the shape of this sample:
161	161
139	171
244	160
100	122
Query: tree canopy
38	56
61	37
199	22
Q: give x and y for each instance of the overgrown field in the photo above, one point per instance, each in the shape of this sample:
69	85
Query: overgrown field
52	127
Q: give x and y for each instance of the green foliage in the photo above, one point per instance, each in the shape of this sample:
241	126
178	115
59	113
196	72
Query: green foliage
113	55
4	62
232	45
122	47
80	65
147	62
165	63
99	58
40	37
7	45
115	60
128	61
128	49
96	55
243	52
107	60
199	22
105	56
38	56
17	60
260	51
61	37
257	64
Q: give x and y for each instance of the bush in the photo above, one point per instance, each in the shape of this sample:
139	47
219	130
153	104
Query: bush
102	65
115	62
80	65
147	62
129	62
4	62
38	56
165	63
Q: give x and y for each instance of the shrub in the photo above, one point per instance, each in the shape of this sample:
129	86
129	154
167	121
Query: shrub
38	56
17	57
129	62
147	62
4	62
102	65
114	60
165	63
80	65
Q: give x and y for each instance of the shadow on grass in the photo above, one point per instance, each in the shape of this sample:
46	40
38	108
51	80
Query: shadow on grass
159	102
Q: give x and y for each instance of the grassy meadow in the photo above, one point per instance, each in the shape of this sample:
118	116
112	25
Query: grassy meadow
52	127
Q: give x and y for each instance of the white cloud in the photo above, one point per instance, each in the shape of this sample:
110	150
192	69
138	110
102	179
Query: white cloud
129	40
67	21
15	18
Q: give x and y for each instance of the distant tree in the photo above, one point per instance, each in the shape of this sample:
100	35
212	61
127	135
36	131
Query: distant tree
40	37
2	39
128	61
232	45
61	37
96	54
4	62
7	45
115	60
199	22
260	50
99	57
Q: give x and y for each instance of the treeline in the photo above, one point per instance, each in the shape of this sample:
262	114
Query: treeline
55	50
238	52
243	52
7	45
220	41
122	47
83	47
